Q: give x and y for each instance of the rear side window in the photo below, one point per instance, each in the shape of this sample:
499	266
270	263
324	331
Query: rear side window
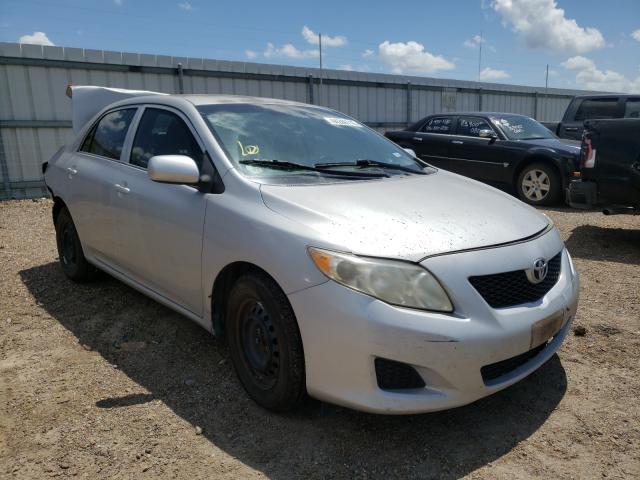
632	108
471	126
161	132
438	125
106	138
597	108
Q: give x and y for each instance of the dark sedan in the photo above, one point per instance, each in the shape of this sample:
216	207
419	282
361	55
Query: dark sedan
502	149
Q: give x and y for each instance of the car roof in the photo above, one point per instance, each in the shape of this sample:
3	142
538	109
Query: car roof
476	114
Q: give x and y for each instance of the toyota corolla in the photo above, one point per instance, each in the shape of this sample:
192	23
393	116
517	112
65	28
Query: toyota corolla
335	264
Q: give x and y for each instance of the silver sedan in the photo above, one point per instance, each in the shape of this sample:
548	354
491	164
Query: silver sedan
334	263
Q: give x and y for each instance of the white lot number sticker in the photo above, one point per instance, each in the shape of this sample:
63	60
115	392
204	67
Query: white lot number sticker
342	122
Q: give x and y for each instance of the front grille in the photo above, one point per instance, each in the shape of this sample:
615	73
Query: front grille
514	288
392	375
498	369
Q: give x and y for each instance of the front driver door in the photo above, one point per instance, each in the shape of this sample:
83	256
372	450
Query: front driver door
160	225
477	157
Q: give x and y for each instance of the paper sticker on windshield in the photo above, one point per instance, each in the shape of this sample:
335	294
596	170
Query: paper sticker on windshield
342	122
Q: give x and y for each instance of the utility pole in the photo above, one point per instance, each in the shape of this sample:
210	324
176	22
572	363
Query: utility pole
546	80
480	57
320	89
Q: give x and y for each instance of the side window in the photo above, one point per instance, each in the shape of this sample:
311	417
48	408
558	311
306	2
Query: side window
597	108
471	126
161	132
106	138
632	108
438	125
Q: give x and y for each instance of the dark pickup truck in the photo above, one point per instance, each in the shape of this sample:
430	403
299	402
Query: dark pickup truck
592	107
609	167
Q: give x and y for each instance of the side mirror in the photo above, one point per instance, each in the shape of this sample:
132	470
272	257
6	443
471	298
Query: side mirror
173	169
490	134
410	151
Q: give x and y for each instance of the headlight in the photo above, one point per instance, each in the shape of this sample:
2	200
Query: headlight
395	282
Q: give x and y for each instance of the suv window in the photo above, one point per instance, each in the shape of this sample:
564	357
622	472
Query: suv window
106	138
632	108
471	126
161	132
597	108
438	125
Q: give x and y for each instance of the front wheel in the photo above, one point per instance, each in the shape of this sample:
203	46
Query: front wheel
264	343
539	184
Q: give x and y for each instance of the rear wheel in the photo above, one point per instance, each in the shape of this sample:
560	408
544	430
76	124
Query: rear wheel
539	184
72	260
264	343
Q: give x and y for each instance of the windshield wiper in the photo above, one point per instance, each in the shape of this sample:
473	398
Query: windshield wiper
365	162
274	163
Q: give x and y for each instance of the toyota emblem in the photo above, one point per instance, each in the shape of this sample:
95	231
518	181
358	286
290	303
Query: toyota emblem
539	271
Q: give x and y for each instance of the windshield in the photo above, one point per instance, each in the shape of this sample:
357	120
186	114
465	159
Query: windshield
516	127
272	139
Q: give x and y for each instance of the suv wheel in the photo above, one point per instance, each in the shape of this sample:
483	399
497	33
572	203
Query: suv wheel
72	260
539	184
264	343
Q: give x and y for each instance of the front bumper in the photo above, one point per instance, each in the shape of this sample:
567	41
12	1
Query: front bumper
343	331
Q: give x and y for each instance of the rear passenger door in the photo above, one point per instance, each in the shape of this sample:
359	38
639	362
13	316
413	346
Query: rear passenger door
91	173
590	108
632	107
160	225
433	140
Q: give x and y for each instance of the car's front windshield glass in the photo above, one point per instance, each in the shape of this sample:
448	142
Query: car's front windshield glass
277	139
516	127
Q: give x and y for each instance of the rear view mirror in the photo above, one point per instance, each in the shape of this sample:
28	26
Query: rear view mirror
487	133
173	169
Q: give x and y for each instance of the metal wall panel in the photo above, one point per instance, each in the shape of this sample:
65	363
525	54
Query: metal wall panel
34	112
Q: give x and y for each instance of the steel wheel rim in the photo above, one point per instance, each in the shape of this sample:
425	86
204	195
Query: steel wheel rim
259	343
536	185
68	245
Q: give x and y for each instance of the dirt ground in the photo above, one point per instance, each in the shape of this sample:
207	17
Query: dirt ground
97	381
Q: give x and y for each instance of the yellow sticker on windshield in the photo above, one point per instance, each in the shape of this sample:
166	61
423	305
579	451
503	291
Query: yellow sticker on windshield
248	149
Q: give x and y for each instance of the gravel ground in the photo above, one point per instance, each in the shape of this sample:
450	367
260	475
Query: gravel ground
98	381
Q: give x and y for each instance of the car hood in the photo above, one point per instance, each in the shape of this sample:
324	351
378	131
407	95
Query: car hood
570	147
406	217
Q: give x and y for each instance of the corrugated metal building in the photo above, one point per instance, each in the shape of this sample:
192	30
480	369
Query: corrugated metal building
35	114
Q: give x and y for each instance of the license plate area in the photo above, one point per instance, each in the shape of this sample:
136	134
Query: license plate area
544	329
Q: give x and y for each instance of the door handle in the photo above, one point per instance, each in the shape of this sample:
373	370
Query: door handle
570	129
72	170
417	139
122	189
457	142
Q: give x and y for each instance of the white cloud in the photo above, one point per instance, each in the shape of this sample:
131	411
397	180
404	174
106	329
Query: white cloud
636	35
250	54
186	6
37	38
327	41
488	73
590	77
367	53
288	51
474	41
411	57
542	24
347	66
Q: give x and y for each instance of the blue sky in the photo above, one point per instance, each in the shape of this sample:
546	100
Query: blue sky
587	43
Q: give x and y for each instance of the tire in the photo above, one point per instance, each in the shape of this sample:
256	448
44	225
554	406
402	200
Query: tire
264	343
72	260
539	184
